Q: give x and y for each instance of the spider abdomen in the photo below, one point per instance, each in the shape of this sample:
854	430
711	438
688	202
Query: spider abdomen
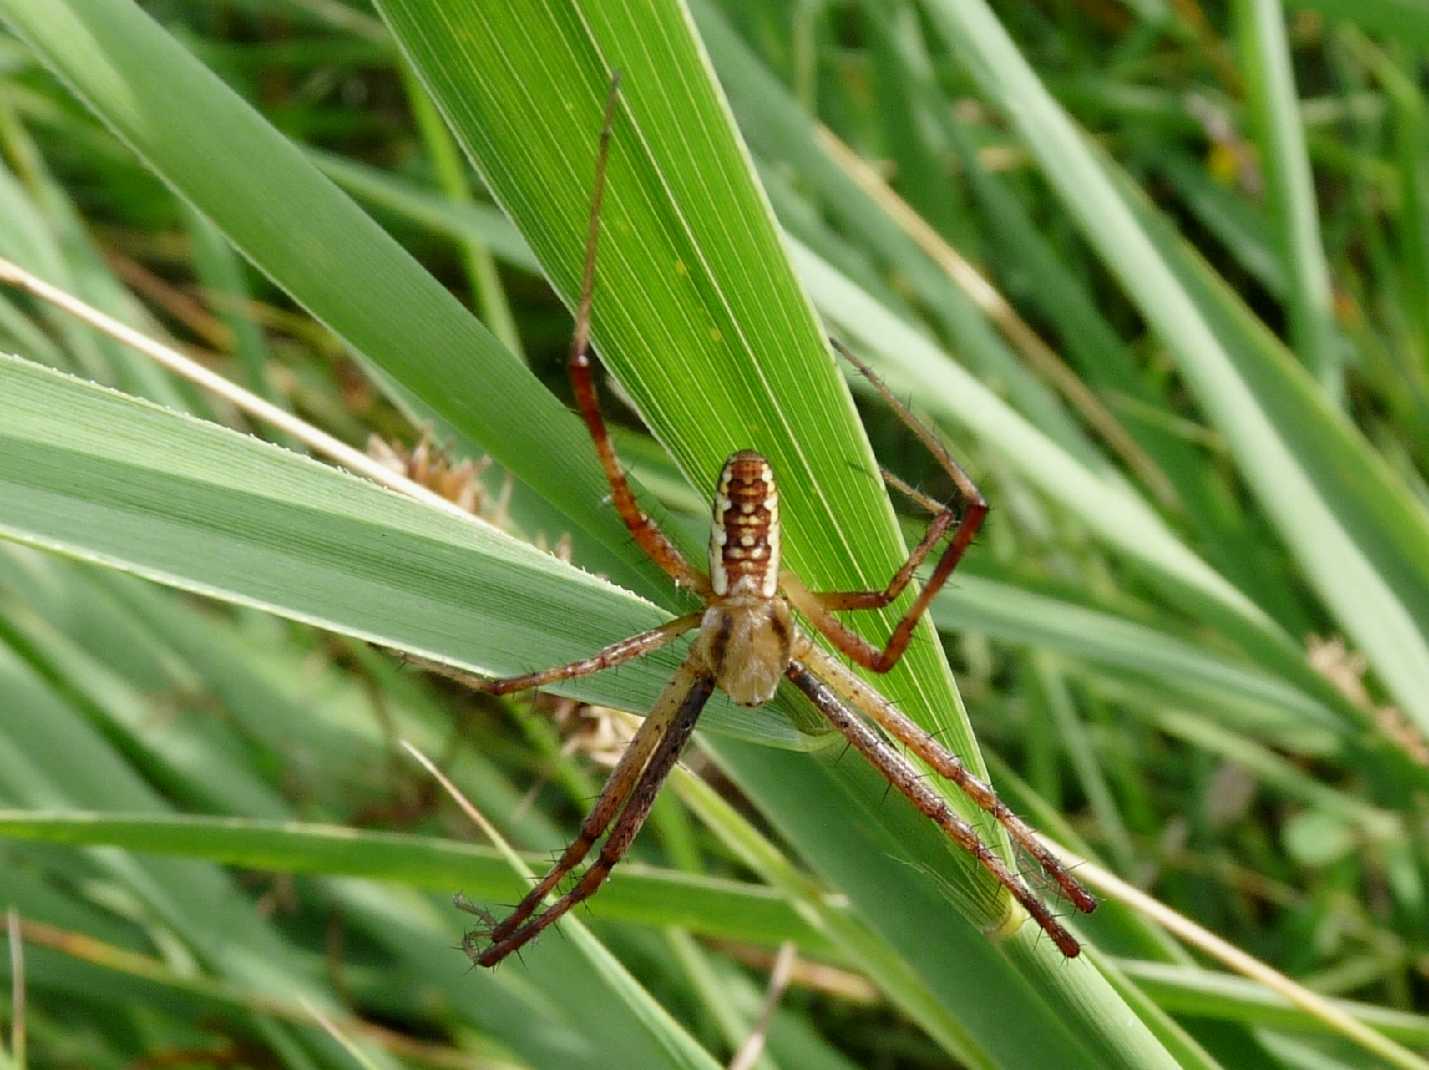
744	538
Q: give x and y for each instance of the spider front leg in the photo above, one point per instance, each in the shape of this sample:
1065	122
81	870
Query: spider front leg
633	785
964	523
899	772
643	529
615	654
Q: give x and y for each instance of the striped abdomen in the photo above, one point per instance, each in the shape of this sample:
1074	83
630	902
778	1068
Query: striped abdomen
744	541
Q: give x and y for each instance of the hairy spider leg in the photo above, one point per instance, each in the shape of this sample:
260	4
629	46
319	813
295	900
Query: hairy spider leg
868	701
643	529
819	607
688	692
616	654
617	790
901	773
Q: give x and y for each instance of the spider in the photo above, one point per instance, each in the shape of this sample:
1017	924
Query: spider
747	641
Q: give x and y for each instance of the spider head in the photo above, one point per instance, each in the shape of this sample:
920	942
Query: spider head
744	536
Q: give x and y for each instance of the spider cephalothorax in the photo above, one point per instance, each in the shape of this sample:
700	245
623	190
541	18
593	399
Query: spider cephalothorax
747	642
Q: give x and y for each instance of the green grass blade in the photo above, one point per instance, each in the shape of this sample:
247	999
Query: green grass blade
1131	645
904	986
1360	539
1270	83
1193	991
133	486
487	291
276	208
910	362
724	909
697	313
1406	20
706	328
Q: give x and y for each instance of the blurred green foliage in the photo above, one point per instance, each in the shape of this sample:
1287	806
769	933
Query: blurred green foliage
1158	270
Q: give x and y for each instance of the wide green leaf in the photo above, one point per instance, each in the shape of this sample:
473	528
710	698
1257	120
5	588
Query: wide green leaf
702	321
315	243
195	505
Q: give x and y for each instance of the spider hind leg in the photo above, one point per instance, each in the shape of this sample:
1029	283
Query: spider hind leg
630	792
856	692
900	773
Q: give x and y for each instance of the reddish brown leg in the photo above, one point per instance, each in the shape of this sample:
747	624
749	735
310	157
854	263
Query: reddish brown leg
646	533
869	702
687	695
819	607
615	654
899	772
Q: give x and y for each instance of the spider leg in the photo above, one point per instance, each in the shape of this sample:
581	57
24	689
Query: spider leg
615	654
819	607
644	530
686	697
618	788
897	724
902	775
892	479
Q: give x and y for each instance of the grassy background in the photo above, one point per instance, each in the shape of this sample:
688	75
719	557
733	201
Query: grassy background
1159	272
